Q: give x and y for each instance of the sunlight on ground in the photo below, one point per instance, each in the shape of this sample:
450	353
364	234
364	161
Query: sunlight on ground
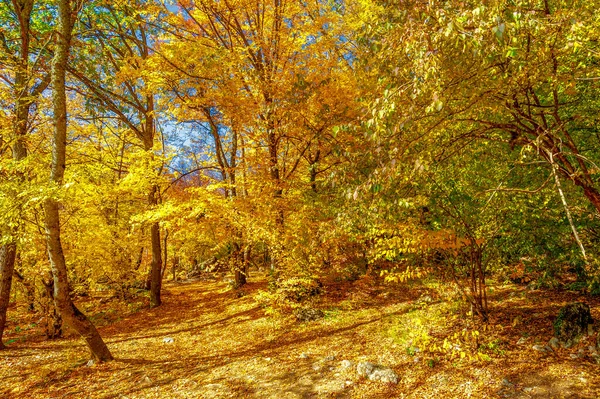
206	343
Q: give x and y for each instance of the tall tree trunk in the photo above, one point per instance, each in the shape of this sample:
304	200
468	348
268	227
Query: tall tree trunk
68	311
156	264
7	264
165	250
155	246
23	101
275	177
138	261
313	166
53	325
273	143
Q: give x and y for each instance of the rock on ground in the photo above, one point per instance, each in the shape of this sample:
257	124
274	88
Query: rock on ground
572	322
375	372
346	364
364	369
541	348
554	343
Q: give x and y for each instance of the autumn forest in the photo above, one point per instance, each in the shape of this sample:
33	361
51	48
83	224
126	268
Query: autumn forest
299	199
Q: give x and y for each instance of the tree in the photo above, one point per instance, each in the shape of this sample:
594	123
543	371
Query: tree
114	79
522	73
518	73
67	14
25	85
269	79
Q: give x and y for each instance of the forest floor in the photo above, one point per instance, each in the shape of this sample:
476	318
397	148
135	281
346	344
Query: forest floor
207	342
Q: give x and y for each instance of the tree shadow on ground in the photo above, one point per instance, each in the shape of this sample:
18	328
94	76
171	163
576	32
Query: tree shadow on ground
254	312
200	304
539	384
194	367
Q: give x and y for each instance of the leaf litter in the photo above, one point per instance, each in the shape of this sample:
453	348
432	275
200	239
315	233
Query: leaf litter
207	342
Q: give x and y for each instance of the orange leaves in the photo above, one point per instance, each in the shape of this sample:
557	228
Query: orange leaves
520	274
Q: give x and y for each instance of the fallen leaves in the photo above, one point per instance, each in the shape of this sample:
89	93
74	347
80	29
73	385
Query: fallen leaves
204	342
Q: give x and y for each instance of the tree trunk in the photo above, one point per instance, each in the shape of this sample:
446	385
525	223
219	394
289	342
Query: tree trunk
239	266
313	168
272	142
246	259
156	264
175	266
68	311
155	276
7	265
52	315
275	179
593	196
165	251
19	150
313	178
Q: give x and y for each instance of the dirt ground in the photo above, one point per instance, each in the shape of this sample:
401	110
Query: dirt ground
207	342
